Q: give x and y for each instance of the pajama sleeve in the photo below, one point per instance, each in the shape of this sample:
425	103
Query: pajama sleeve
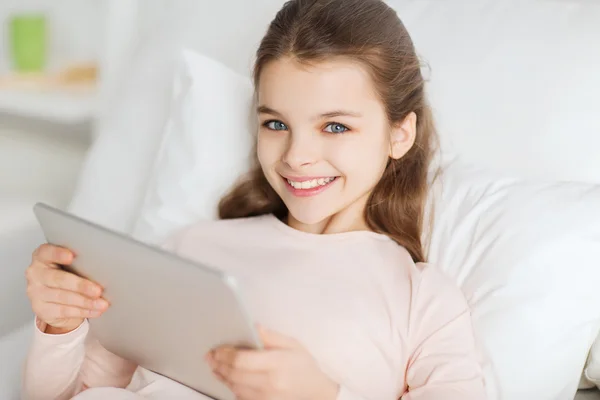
444	361
60	366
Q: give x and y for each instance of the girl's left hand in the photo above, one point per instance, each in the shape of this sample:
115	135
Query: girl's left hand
284	370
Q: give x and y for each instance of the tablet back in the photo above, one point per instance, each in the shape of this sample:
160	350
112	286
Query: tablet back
166	312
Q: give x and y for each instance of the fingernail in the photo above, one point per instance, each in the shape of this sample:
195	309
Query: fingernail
65	257
94	313
100	304
95	291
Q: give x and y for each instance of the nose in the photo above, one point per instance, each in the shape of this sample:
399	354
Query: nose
301	151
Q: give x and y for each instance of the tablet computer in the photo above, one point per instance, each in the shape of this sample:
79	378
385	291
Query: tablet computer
166	312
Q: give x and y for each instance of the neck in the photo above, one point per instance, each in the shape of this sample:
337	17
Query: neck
349	219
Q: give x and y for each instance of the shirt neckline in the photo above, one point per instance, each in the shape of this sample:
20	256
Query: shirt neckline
324	237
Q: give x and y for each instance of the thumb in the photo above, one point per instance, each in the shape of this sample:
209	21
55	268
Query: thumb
272	339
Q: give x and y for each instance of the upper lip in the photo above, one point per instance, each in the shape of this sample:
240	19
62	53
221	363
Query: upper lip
305	178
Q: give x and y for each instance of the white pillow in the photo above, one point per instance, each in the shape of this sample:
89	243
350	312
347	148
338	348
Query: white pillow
527	256
115	173
525	253
514	80
592	370
205	148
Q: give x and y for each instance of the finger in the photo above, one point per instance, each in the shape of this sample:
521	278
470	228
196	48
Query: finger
248	360
53	311
59	279
274	340
32	272
245	385
50	254
73	299
36	271
241	378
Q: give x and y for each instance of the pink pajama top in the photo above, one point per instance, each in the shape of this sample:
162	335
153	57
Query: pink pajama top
380	325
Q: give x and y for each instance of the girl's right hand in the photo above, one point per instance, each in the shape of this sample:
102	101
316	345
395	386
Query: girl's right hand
59	298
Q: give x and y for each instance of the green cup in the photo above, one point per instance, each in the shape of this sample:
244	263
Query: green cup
27	36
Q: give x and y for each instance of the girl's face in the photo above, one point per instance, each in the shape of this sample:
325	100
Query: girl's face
324	140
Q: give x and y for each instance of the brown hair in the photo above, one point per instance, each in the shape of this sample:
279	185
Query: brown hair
370	32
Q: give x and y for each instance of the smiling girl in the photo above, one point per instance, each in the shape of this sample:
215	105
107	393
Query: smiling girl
324	235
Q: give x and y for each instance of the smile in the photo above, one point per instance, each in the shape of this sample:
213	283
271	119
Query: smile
308	187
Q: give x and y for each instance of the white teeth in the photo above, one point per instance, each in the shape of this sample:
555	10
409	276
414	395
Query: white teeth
310	184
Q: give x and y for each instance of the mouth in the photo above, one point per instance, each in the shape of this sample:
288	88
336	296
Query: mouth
309	186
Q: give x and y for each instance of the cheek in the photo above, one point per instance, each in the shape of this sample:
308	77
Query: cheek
363	159
266	149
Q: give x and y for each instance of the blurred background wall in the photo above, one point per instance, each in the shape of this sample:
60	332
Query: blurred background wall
47	114
47	117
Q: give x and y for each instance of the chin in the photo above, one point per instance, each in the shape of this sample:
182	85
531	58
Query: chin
308	216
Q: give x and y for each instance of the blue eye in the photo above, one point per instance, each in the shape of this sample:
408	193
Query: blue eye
276	125
336	128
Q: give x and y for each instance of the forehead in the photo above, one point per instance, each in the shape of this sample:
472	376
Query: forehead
287	84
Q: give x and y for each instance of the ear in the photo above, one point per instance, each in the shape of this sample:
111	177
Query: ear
403	136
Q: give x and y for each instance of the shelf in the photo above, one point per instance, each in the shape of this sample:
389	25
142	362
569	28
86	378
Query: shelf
59	106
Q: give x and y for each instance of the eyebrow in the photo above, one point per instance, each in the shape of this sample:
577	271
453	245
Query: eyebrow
330	114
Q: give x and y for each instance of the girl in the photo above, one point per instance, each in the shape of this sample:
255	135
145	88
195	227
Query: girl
324	236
